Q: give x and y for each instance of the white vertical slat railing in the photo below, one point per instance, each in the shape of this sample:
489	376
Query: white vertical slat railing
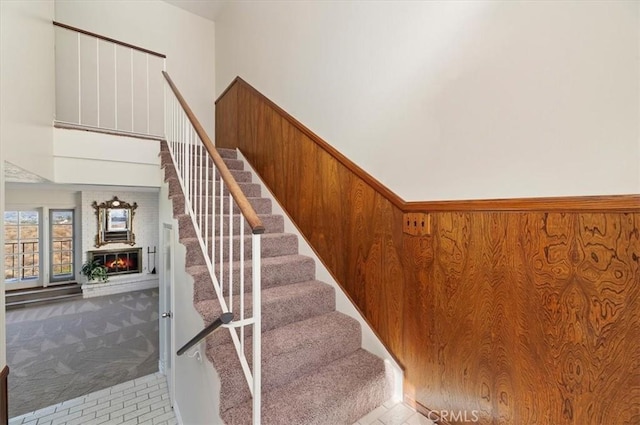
204	177
111	103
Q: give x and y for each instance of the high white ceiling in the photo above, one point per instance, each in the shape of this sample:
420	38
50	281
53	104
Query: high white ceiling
209	9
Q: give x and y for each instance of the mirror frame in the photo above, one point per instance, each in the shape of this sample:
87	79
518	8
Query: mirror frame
106	222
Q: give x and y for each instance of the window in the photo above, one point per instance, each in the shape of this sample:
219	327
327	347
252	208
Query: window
61	245
21	246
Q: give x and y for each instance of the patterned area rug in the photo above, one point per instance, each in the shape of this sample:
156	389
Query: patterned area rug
64	350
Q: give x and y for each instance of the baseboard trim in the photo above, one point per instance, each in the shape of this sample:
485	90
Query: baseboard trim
424	411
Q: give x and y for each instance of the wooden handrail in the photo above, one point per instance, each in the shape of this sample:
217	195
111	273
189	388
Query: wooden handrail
234	189
112	40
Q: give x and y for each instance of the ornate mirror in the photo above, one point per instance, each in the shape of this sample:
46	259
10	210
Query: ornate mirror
115	222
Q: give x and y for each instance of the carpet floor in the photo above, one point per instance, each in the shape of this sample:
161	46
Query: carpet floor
60	351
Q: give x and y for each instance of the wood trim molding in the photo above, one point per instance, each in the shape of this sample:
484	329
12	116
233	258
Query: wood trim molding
112	40
4	395
618	203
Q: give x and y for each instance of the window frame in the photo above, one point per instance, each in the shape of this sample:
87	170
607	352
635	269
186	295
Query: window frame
70	277
21	283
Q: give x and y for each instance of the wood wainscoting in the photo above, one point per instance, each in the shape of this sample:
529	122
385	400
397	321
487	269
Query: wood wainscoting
510	311
4	395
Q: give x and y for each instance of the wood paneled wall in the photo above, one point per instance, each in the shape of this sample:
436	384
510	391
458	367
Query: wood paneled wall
4	395
514	312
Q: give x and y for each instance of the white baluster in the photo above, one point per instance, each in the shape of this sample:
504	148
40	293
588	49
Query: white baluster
257	330
79	83
221	280
98	78
115	73
230	251
131	57
206	207
242	280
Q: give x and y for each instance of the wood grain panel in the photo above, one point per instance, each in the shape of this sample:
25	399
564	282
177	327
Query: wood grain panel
526	318
512	311
4	395
226	121
354	229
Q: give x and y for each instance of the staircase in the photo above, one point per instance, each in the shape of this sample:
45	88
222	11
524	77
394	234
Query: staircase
314	370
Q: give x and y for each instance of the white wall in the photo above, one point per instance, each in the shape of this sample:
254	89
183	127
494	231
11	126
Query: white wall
454	100
3	340
27	84
82	157
197	385
186	39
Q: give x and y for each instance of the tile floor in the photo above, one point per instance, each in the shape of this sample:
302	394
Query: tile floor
394	413
145	401
140	401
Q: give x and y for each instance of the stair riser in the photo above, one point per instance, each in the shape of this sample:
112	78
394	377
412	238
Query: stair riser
278	311
240	176
269	247
345	391
260	205
272	275
223	152
250	190
42	294
272	224
232	164
336	338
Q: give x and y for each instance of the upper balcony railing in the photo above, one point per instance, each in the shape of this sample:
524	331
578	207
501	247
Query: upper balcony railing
107	85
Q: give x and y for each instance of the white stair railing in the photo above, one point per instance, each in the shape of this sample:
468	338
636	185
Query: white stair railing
107	85
198	165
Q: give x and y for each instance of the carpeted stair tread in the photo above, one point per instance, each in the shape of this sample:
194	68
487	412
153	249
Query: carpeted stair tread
250	190
337	394
271	245
223	152
260	205
227	153
314	371
288	352
234	164
243	180
275	271
272	224
240	176
281	305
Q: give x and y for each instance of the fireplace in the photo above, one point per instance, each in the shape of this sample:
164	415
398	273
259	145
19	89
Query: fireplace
119	261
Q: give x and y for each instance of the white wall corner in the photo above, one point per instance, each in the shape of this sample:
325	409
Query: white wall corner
3	342
197	384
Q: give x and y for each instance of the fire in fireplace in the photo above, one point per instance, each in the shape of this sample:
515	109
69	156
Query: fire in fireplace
119	261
